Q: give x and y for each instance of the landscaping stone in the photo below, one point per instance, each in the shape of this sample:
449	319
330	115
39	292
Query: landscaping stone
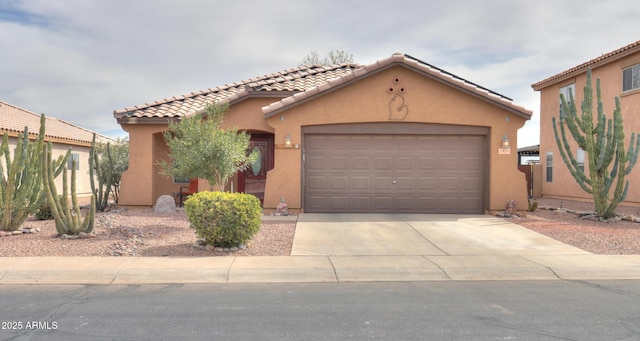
165	204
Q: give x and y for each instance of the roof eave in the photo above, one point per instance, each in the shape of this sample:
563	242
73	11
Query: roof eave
582	68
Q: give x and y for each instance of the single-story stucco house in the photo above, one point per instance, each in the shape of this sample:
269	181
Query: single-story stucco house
396	136
619	74
62	135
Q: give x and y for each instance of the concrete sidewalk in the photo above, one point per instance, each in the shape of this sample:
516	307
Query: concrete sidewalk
351	248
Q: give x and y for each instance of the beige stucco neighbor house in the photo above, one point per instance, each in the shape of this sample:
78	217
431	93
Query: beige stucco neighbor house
63	136
619	74
398	135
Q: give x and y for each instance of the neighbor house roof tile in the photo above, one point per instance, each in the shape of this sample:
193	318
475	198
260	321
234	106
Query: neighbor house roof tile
603	59
13	119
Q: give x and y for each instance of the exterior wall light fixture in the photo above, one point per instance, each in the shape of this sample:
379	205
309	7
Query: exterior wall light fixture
287	141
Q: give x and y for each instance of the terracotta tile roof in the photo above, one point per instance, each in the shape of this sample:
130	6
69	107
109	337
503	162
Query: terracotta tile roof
603	59
287	81
395	59
13	119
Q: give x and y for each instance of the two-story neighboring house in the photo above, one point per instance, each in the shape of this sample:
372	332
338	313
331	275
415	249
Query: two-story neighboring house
63	136
619	74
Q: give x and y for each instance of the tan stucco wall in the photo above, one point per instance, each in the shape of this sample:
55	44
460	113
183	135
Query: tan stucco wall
368	101
563	184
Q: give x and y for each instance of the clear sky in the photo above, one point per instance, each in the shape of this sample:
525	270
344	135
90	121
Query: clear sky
79	60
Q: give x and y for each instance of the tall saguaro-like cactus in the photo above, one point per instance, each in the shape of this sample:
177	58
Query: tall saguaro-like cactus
602	140
20	178
101	192
68	219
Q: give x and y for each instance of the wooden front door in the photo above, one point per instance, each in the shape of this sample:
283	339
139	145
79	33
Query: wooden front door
253	180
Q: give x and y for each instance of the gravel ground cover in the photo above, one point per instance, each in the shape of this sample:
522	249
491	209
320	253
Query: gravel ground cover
142	233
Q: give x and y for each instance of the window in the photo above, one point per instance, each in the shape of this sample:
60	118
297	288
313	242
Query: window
631	78
549	166
177	180
73	157
567	92
580	158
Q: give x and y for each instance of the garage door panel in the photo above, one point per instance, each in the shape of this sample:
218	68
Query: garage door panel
405	163
383	184
394	173
338	183
360	183
383	163
360	163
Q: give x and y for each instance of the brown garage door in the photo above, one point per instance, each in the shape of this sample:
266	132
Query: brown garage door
394	173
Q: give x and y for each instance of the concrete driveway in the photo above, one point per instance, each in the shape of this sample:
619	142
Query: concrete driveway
418	234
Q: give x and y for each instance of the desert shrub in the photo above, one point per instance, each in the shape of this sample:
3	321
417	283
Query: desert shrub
44	211
224	219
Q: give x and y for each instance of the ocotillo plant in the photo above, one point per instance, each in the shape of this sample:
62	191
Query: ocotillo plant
21	178
104	180
603	144
68	219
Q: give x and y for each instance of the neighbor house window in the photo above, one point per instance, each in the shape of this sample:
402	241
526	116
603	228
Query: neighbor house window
73	157
631	78
549	166
567	92
580	158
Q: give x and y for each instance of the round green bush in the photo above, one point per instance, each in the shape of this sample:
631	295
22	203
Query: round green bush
224	219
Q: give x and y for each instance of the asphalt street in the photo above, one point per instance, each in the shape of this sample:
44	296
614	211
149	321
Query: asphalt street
452	310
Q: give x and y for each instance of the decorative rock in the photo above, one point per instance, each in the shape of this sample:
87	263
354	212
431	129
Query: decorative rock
233	249
242	246
209	248
3	234
201	242
82	235
26	230
16	232
282	209
165	204
629	218
218	249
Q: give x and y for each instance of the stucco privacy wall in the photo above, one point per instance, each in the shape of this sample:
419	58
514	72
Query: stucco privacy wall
368	100
563	185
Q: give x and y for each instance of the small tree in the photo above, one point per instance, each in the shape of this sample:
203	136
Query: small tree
199	148
602	143
334	57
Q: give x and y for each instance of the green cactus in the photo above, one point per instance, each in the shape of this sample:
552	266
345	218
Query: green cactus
20	178
68	219
603	144
104	180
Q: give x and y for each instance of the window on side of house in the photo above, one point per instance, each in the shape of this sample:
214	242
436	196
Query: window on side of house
549	166
73	157
631	78
567	92
580	158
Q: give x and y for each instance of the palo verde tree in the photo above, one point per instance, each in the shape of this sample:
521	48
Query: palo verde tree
200	148
602	140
